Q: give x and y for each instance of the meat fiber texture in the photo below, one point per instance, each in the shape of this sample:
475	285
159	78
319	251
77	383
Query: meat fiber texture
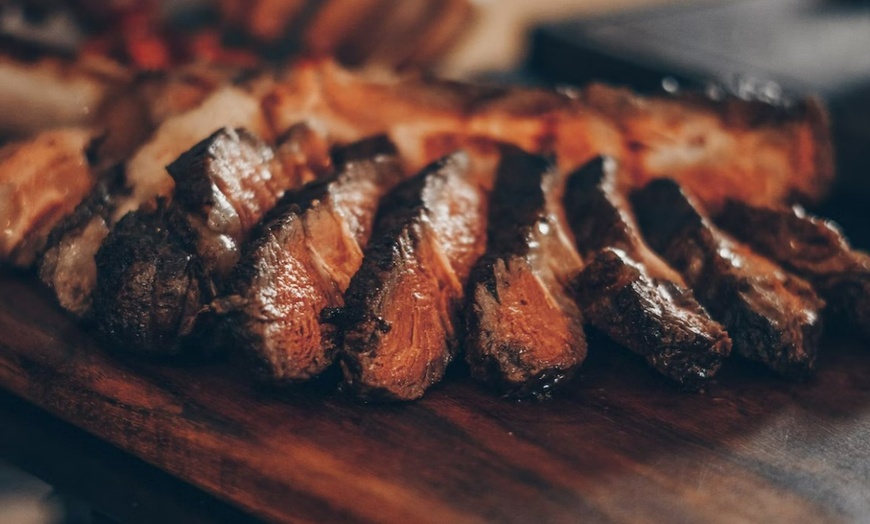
629	292
400	322
811	247
772	315
524	330
301	263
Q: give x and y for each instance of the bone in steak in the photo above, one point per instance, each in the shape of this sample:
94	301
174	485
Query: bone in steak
302	262
399	323
151	290
772	316
811	247
525	332
631	294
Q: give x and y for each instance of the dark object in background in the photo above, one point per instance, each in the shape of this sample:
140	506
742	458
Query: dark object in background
766	49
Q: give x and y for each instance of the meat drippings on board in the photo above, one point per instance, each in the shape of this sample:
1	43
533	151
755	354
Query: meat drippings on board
302	263
224	187
812	248
772	316
42	180
400	319
631	294
525	333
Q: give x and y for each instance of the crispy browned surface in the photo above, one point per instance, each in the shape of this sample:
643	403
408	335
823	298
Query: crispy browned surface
399	323
224	186
302	263
811	247
42	180
628	292
713	148
772	316
525	333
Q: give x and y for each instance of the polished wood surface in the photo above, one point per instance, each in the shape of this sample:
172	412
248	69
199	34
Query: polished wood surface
619	445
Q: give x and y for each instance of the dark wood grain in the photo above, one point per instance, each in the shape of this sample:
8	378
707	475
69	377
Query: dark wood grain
619	445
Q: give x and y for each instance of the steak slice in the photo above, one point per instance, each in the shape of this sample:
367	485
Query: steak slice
399	323
525	332
223	188
302	262
629	292
812	248
67	265
772	316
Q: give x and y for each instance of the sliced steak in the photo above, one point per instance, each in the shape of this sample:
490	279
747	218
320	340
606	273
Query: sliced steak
67	265
629	292
400	319
525	332
223	187
772	316
811	247
302	262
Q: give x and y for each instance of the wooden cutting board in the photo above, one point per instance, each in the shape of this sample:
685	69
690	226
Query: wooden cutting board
619	445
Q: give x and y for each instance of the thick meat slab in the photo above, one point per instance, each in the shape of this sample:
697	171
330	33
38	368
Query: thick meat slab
811	247
756	152
631	294
302	262
772	316
224	186
525	332
42	180
400	319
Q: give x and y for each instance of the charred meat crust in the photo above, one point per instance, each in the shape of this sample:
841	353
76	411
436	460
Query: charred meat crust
152	292
812	248
399	323
525	333
302	262
150	284
67	265
630	294
772	316
657	319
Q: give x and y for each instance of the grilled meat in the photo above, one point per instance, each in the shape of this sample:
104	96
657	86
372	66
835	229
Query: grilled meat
771	315
52	92
302	262
631	294
399	323
41	181
67	265
229	107
703	144
812	248
525	332
224	186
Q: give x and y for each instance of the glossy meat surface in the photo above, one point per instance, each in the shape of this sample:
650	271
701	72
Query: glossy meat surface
811	247
302	262
401	314
631	294
525	333
772	316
